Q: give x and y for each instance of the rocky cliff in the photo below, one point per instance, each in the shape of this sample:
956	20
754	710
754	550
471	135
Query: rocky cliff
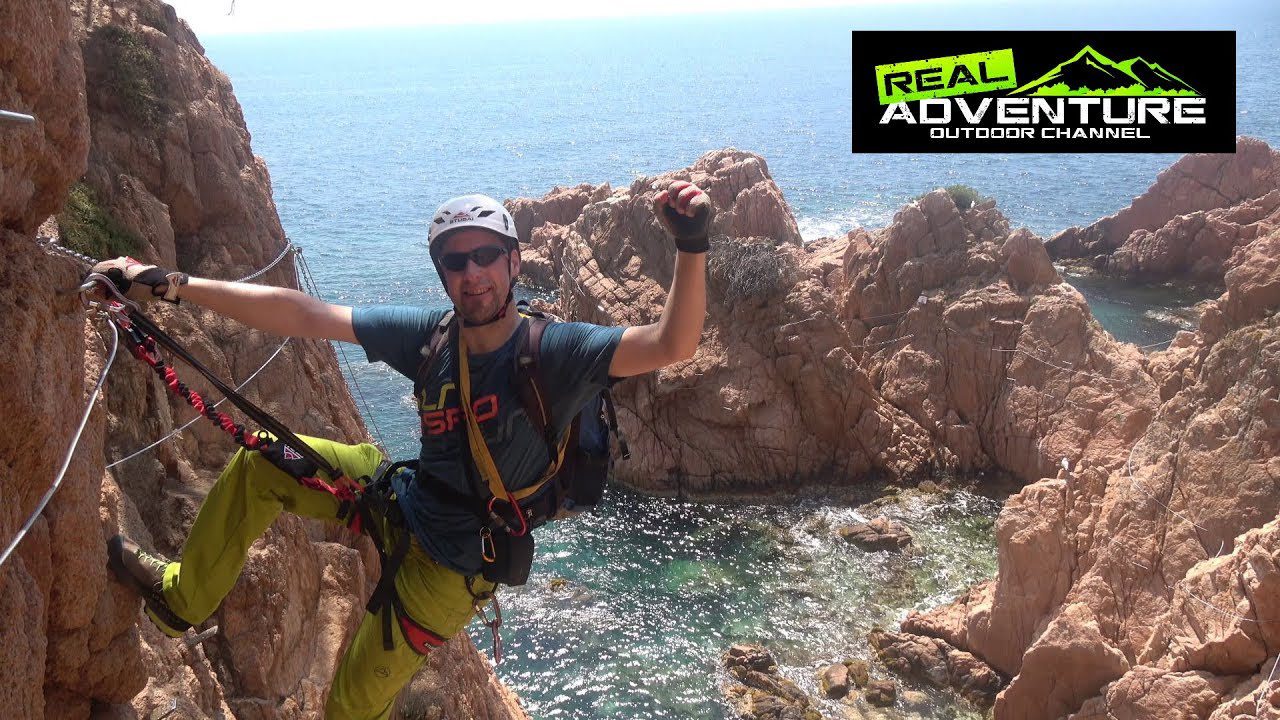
1137	568
1143	584
125	99
1189	223
934	344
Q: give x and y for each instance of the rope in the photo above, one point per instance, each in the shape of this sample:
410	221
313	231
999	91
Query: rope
1019	351
889	315
178	430
18	118
311	287
1265	687
52	246
863	346
66	460
289	247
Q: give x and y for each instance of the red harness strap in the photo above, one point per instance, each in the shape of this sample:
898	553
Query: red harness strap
419	638
281	455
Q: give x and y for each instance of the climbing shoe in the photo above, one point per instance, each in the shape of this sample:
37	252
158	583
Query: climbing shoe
144	572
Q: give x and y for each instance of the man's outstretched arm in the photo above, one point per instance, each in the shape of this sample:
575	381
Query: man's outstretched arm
273	309
685	211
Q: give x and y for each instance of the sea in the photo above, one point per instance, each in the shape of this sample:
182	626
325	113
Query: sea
366	132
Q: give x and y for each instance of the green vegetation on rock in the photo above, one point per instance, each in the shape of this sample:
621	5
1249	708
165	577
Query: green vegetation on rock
133	75
88	228
964	196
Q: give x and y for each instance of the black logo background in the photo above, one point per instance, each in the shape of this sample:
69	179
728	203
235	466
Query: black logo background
1204	59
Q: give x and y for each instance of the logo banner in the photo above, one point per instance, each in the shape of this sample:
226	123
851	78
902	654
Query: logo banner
1044	91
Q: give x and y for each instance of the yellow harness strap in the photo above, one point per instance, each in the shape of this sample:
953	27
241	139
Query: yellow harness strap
480	450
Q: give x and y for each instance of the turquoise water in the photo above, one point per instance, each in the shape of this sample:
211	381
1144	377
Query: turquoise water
627	612
1145	315
367	132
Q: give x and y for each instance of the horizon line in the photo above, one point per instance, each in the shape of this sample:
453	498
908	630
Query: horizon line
218	29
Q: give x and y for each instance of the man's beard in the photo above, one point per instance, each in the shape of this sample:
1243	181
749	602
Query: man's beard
477	313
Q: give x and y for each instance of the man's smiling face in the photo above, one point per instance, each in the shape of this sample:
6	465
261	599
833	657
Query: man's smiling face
479	292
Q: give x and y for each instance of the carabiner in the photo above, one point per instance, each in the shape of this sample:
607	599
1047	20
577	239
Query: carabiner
487	551
519	513
493	625
99	279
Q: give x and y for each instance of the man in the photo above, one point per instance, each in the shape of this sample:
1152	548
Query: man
475	249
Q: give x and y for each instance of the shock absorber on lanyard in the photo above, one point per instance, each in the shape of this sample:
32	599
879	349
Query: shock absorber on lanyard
285	450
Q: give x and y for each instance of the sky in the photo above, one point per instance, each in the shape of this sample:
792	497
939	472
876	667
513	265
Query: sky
229	17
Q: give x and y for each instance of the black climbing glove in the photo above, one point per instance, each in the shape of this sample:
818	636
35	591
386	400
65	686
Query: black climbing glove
689	231
142	283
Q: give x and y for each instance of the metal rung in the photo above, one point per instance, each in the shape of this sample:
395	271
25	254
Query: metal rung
16	117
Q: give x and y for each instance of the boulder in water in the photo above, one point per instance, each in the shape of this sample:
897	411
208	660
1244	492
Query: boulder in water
877	534
764	694
938	663
834	680
881	693
859	671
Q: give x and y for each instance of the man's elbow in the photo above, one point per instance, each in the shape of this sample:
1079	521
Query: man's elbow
682	352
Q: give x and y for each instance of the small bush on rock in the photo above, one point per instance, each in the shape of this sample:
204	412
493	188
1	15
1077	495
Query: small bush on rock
964	196
749	270
89	229
134	75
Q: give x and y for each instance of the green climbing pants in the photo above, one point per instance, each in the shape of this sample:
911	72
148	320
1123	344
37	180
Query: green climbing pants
244	502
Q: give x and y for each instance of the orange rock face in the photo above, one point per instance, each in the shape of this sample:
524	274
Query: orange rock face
947	341
174	166
907	351
1189	222
43	77
1140	583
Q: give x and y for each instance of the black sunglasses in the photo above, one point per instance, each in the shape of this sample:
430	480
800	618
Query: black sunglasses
481	256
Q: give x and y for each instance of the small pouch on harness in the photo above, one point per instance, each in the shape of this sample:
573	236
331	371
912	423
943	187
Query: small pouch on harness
507	557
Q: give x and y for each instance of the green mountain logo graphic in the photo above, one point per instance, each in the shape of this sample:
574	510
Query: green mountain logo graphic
1089	72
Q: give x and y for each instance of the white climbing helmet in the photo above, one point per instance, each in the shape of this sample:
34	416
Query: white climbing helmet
478	211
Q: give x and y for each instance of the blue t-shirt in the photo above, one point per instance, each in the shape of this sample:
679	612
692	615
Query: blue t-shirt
574	360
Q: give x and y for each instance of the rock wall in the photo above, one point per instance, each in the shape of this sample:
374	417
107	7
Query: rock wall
1136	570
125	97
1142	584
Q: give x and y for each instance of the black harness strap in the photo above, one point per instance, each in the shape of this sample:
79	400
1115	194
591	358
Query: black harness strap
528	362
431	351
378	499
612	416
